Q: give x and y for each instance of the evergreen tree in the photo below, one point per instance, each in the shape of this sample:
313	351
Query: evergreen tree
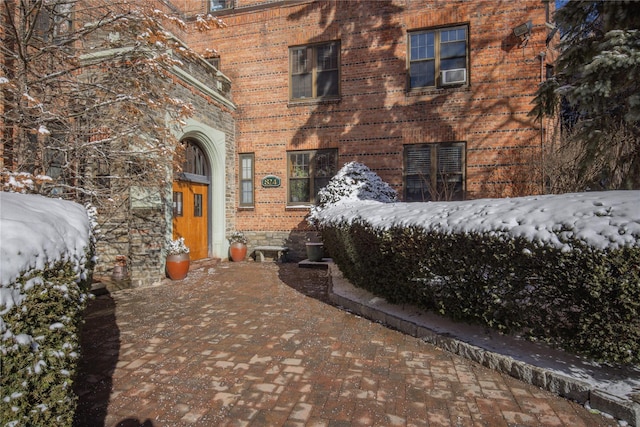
596	87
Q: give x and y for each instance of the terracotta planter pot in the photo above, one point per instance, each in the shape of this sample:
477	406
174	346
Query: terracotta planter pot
177	266
238	251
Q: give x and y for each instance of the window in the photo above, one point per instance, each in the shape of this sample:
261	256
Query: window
177	203
195	159
309	171
434	172
197	205
215	61
54	23
54	162
315	71
103	177
246	179
549	71
215	5
438	57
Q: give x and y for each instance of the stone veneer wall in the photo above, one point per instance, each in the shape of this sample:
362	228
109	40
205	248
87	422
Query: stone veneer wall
147	229
140	234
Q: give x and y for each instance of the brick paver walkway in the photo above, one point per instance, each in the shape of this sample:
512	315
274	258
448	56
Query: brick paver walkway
233	345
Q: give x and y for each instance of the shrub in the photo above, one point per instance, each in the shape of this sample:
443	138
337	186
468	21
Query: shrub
40	348
354	181
575	287
46	278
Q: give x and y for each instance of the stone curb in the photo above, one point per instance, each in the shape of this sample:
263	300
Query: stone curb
570	388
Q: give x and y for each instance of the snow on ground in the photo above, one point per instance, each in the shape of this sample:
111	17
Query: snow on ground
607	219
36	232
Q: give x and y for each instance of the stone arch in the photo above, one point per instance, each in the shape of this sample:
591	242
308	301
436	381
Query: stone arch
212	142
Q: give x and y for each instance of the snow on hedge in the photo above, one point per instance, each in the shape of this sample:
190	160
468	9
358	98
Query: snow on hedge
608	219
354	181
35	233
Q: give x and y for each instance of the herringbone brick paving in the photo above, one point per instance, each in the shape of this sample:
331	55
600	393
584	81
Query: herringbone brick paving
234	345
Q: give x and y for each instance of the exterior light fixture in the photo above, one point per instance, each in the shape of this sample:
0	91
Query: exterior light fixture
523	31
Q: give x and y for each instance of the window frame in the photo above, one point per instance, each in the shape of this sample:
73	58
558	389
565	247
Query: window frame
57	21
251	180
178	204
228	4
102	173
437	188
437	57
314	70
314	174
197	205
195	159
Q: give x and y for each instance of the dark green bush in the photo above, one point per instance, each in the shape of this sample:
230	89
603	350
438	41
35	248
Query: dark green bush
40	347
584	300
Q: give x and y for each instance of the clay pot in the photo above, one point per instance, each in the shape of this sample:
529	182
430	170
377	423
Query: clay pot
177	266
238	251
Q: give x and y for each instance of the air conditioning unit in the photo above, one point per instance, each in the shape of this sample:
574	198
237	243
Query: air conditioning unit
455	76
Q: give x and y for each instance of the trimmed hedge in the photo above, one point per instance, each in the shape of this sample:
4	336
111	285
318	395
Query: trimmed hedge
40	348
586	300
41	309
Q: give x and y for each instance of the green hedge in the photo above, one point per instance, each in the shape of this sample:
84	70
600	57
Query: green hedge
585	300
39	347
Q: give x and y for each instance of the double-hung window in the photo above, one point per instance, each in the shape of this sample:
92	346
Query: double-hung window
434	172
438	57
314	71
246	179
309	171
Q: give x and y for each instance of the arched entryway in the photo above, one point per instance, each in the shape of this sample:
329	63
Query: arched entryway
191	200
213	147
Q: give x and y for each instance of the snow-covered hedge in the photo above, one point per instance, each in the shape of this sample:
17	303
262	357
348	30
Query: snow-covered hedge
354	181
46	259
562	268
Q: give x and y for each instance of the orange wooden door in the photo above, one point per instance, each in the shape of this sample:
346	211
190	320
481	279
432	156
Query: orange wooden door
190	216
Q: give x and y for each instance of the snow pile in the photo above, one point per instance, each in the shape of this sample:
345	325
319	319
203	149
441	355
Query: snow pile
604	220
36	232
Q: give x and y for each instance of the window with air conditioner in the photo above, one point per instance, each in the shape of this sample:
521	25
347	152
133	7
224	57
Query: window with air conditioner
438	57
455	76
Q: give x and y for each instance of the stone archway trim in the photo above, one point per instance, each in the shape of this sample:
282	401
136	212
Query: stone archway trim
213	144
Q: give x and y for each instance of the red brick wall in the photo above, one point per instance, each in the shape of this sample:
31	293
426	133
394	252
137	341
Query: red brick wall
376	115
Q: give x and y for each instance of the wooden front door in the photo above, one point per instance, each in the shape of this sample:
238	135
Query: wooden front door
190	216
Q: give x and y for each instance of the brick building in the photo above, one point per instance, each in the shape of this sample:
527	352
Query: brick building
432	95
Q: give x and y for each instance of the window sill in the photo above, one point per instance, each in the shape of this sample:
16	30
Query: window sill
312	101
221	12
437	90
246	208
298	207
